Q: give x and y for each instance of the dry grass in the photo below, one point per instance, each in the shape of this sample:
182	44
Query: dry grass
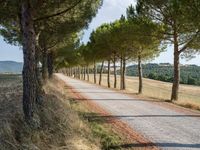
58	125
189	96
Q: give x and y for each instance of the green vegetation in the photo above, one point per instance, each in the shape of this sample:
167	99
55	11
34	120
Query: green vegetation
49	33
41	28
99	126
142	35
190	74
180	29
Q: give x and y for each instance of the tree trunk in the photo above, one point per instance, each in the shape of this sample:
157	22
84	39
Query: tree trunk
76	72
39	90
121	74
115	72
44	64
29	70
140	74
88	73
95	72
84	71
124	74
82	76
79	72
50	59
108	78
101	71
175	86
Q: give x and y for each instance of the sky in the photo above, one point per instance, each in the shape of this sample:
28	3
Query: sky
109	12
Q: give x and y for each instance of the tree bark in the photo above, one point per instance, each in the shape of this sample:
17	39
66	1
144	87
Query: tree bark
44	64
88	73
82	76
108	77
176	80
95	73
101	71
140	74
84	72
124	74
50	62
39	90
79	72
121	74
29	70
115	72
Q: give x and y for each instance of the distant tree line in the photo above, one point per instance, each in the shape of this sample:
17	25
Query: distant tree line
189	74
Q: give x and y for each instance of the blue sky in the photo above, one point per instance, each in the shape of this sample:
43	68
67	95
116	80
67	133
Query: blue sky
110	11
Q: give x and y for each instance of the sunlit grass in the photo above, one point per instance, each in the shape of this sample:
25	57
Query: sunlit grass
188	94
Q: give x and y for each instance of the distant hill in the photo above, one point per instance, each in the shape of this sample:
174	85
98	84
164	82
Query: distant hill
10	67
190	74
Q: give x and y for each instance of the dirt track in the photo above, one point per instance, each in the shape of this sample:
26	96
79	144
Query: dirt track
167	127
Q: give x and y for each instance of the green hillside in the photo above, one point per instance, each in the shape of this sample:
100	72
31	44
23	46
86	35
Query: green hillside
190	74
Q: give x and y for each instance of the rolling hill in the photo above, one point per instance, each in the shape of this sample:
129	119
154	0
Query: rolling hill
10	67
190	74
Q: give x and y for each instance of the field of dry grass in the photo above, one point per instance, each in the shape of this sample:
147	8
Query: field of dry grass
188	95
57	126
61	123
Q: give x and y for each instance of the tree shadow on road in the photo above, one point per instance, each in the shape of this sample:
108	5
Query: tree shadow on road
163	145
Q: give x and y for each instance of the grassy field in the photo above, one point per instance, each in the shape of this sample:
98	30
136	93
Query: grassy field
60	123
188	95
56	126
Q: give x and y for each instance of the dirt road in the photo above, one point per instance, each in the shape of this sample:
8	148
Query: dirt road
167	127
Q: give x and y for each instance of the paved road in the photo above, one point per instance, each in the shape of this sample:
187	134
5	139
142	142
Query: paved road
167	128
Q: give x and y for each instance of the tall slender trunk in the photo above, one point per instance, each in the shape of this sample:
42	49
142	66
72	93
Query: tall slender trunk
140	74
44	64
73	72
39	90
121	74
70	71
101	71
95	73
29	72
115	72
108	78
50	60
76	72
176	80
88	73
79	73
84	71
124	74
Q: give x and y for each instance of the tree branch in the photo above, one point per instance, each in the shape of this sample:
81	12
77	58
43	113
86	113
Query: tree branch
188	43
59	13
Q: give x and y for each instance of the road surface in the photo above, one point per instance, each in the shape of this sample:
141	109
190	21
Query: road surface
164	126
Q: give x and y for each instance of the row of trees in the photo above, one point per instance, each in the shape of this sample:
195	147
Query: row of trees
147	30
135	38
49	32
41	28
